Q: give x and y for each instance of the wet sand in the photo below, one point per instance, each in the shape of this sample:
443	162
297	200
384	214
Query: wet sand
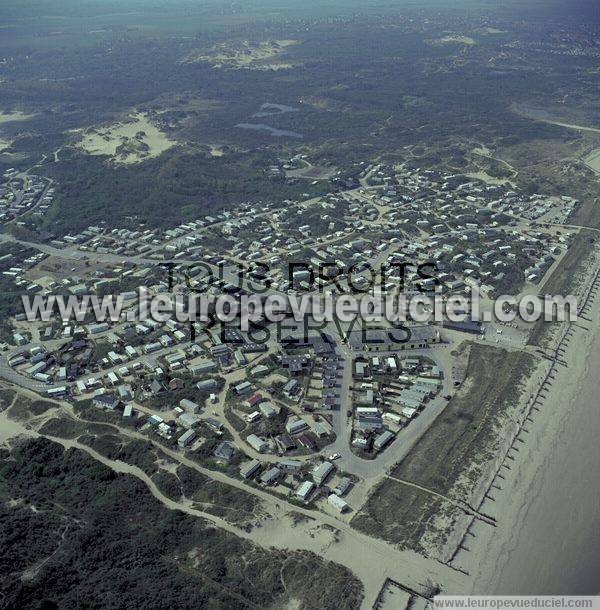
548	510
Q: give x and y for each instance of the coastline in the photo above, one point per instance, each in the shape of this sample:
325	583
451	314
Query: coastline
545	497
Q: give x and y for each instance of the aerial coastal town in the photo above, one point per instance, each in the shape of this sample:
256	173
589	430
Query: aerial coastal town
307	413
298	303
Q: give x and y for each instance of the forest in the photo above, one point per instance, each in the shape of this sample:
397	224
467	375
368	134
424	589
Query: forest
75	534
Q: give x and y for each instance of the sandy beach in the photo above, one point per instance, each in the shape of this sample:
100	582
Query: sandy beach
547	504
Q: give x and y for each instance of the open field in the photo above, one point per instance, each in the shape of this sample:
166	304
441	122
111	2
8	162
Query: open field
127	142
482	175
312	172
61	268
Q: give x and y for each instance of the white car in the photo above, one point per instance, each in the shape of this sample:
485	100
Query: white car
334	456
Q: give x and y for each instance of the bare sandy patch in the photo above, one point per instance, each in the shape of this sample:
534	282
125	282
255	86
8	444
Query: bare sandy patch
16	115
244	54
273	66
60	268
9	117
216	151
466	40
485	177
312	172
130	141
273	378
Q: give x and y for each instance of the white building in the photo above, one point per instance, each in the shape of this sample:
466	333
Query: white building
305	490
322	472
257	443
338	503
